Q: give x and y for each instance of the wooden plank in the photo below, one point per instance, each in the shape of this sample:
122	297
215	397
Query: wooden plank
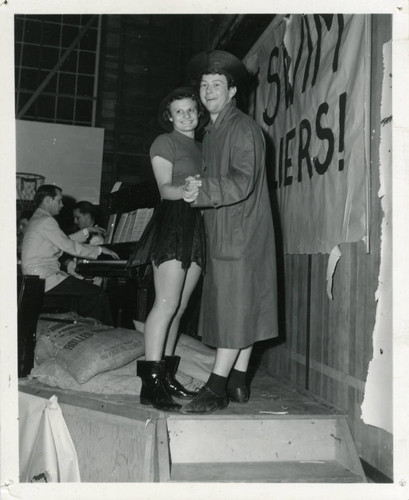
288	276
124	407
360	369
110	448
346	453
297	321
302	311
251	440
352	316
163	450
384	462
148	464
268	394
322	318
322	324
371	285
315	329
290	308
327	332
265	472
358	424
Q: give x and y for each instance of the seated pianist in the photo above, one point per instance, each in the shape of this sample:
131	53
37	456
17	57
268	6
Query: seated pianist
85	217
43	244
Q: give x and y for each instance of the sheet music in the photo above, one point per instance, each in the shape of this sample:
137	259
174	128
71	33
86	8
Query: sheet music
143	216
127	229
127	234
110	227
116	187
131	225
120	229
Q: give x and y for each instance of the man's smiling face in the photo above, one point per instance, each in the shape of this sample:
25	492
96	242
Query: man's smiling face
215	94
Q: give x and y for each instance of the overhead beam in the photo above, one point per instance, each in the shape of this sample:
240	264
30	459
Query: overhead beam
227	31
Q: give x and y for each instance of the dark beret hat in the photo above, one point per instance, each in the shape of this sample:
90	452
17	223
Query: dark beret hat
217	60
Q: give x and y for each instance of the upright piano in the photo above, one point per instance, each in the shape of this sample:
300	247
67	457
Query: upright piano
129	289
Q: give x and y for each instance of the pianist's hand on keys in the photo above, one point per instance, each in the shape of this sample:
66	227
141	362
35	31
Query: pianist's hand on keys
107	251
97	230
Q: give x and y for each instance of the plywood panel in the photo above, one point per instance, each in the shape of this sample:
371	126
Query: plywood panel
251	440
110	448
265	472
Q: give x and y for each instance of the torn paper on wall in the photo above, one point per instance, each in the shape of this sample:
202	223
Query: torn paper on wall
332	264
377	404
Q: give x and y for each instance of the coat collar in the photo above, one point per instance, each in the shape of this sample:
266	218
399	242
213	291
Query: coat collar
222	115
41	212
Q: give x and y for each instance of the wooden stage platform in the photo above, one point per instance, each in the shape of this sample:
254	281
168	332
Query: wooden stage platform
268	396
280	435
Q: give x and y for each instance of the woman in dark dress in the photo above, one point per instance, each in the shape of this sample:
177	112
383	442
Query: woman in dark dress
174	242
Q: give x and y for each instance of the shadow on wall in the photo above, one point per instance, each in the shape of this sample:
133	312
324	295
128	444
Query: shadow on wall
278	238
261	347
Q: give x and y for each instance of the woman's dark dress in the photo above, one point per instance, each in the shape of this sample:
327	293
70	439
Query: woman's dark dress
176	230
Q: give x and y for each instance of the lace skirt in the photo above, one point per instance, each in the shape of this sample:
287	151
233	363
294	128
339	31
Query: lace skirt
175	231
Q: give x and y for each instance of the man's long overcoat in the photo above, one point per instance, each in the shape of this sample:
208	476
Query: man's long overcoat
239	299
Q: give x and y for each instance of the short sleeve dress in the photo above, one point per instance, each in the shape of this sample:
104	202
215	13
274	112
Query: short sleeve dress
176	230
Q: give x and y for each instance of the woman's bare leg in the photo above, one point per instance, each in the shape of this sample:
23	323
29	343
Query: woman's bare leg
192	277
169	278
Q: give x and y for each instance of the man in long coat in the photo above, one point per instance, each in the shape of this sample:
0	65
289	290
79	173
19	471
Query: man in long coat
239	299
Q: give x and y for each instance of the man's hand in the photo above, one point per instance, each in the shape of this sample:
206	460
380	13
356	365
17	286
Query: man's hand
97	230
107	251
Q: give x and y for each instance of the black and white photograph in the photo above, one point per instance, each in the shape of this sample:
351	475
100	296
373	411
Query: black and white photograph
204	253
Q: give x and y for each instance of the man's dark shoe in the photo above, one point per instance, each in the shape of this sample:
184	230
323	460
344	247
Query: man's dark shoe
206	401
239	394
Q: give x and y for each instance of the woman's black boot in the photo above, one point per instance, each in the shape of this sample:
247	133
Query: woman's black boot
153	391
173	386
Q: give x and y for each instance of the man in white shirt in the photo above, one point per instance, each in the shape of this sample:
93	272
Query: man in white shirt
43	244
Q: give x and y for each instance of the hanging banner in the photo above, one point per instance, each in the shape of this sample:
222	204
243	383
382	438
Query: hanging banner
310	99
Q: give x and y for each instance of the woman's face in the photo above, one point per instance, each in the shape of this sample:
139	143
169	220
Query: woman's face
184	115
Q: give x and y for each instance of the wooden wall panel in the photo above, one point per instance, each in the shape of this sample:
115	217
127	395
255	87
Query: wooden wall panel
111	448
334	363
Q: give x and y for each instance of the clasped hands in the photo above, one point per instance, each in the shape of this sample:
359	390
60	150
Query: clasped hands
190	190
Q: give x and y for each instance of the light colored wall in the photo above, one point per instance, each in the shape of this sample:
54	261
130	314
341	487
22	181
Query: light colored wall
66	155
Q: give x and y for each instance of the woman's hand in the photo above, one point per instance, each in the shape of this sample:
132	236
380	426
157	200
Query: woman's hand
190	190
196	180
